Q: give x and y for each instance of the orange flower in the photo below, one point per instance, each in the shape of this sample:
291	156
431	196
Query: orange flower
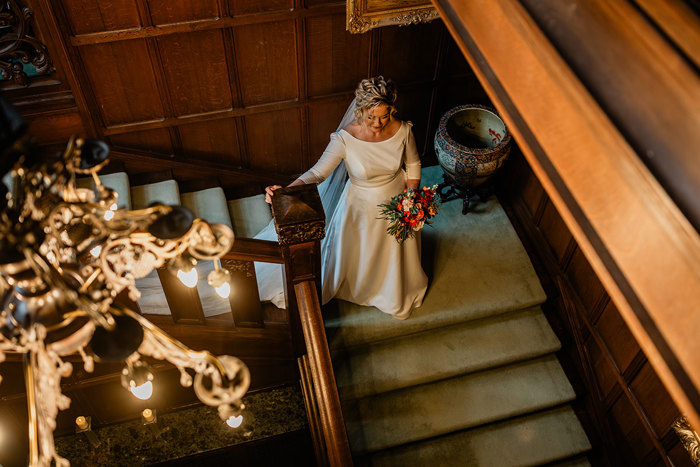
420	215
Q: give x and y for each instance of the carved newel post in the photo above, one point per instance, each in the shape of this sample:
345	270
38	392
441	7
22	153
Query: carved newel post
300	223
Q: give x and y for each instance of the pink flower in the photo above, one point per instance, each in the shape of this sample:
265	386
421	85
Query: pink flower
407	204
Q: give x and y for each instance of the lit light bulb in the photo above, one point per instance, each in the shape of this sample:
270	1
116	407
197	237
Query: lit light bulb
188	278
109	215
143	392
224	290
114	207
81	422
234	422
96	251
148	415
138	379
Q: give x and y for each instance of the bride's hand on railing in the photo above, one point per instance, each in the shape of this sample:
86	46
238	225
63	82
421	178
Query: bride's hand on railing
269	192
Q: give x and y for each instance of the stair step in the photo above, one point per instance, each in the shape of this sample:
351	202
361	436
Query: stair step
166	192
525	441
478	268
153	299
444	353
209	204
249	215
426	411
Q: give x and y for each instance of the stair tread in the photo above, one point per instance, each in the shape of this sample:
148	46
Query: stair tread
209	204
499	277
383	421
443	353
524	441
166	192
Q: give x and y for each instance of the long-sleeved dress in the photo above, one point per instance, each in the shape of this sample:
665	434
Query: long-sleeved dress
361	263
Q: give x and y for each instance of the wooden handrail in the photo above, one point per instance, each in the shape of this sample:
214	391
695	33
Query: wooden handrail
640	244
300	221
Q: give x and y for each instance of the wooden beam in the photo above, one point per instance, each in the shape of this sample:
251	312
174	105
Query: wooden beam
201	169
645	251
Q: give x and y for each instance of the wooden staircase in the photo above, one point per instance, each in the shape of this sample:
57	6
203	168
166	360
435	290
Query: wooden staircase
472	377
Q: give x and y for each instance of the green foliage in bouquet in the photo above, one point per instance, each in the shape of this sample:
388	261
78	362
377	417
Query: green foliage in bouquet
409	211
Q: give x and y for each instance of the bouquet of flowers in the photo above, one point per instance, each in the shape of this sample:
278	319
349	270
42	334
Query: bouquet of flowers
409	211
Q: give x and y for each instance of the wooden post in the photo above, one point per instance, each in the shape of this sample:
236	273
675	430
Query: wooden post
300	223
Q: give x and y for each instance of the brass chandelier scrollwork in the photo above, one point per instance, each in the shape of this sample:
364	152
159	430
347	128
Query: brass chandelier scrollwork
66	254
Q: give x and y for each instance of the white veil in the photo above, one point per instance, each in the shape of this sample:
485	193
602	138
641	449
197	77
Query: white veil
269	275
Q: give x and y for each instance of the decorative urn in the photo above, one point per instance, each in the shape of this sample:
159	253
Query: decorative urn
471	143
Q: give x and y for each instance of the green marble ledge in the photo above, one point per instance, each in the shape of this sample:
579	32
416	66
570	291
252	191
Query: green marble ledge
187	432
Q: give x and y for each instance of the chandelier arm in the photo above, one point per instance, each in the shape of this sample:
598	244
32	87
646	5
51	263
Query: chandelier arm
196	355
29	381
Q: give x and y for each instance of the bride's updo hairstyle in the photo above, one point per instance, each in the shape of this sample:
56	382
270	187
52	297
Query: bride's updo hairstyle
372	92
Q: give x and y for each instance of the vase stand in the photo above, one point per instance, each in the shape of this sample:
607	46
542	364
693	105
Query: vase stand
465	193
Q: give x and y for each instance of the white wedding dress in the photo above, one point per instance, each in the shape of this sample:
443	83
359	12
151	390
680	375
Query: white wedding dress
360	261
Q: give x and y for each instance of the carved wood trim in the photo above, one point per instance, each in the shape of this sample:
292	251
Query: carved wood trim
363	15
689	438
20	43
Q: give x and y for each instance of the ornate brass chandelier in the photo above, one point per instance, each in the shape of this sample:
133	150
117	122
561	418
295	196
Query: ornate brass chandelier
66	254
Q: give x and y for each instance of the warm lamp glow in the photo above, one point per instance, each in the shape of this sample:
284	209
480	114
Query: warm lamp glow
147	415
81	423
144	391
224	290
188	278
234	422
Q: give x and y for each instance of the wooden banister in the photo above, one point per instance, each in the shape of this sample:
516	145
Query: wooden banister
300	222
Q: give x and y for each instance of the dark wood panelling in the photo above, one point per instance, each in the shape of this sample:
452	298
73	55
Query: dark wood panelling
88	16
631	410
215	141
617	337
585	282
267	65
408	54
320	113
242	7
604	371
154	141
650	393
414	104
167	11
555	231
274	141
337	61
123	81
195	69
633	440
56	127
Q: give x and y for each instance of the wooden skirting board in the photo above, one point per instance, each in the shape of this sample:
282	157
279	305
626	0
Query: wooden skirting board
643	248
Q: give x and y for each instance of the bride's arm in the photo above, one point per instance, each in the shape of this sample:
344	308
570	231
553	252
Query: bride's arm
412	162
331	157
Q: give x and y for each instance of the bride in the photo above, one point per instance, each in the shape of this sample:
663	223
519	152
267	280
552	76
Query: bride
360	262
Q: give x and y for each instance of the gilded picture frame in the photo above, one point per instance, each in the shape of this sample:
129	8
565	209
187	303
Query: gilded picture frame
363	15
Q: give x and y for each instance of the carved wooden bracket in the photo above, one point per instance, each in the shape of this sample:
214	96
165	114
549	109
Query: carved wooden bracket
19	44
363	15
689	438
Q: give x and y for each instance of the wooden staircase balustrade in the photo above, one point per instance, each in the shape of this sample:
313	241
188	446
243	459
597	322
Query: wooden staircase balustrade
300	222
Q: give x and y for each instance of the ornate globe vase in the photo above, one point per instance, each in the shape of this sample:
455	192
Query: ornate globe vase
471	143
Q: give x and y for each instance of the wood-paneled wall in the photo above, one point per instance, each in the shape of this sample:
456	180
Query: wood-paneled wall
624	406
242	92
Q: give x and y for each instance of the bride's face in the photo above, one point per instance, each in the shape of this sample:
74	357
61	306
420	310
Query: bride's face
377	118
